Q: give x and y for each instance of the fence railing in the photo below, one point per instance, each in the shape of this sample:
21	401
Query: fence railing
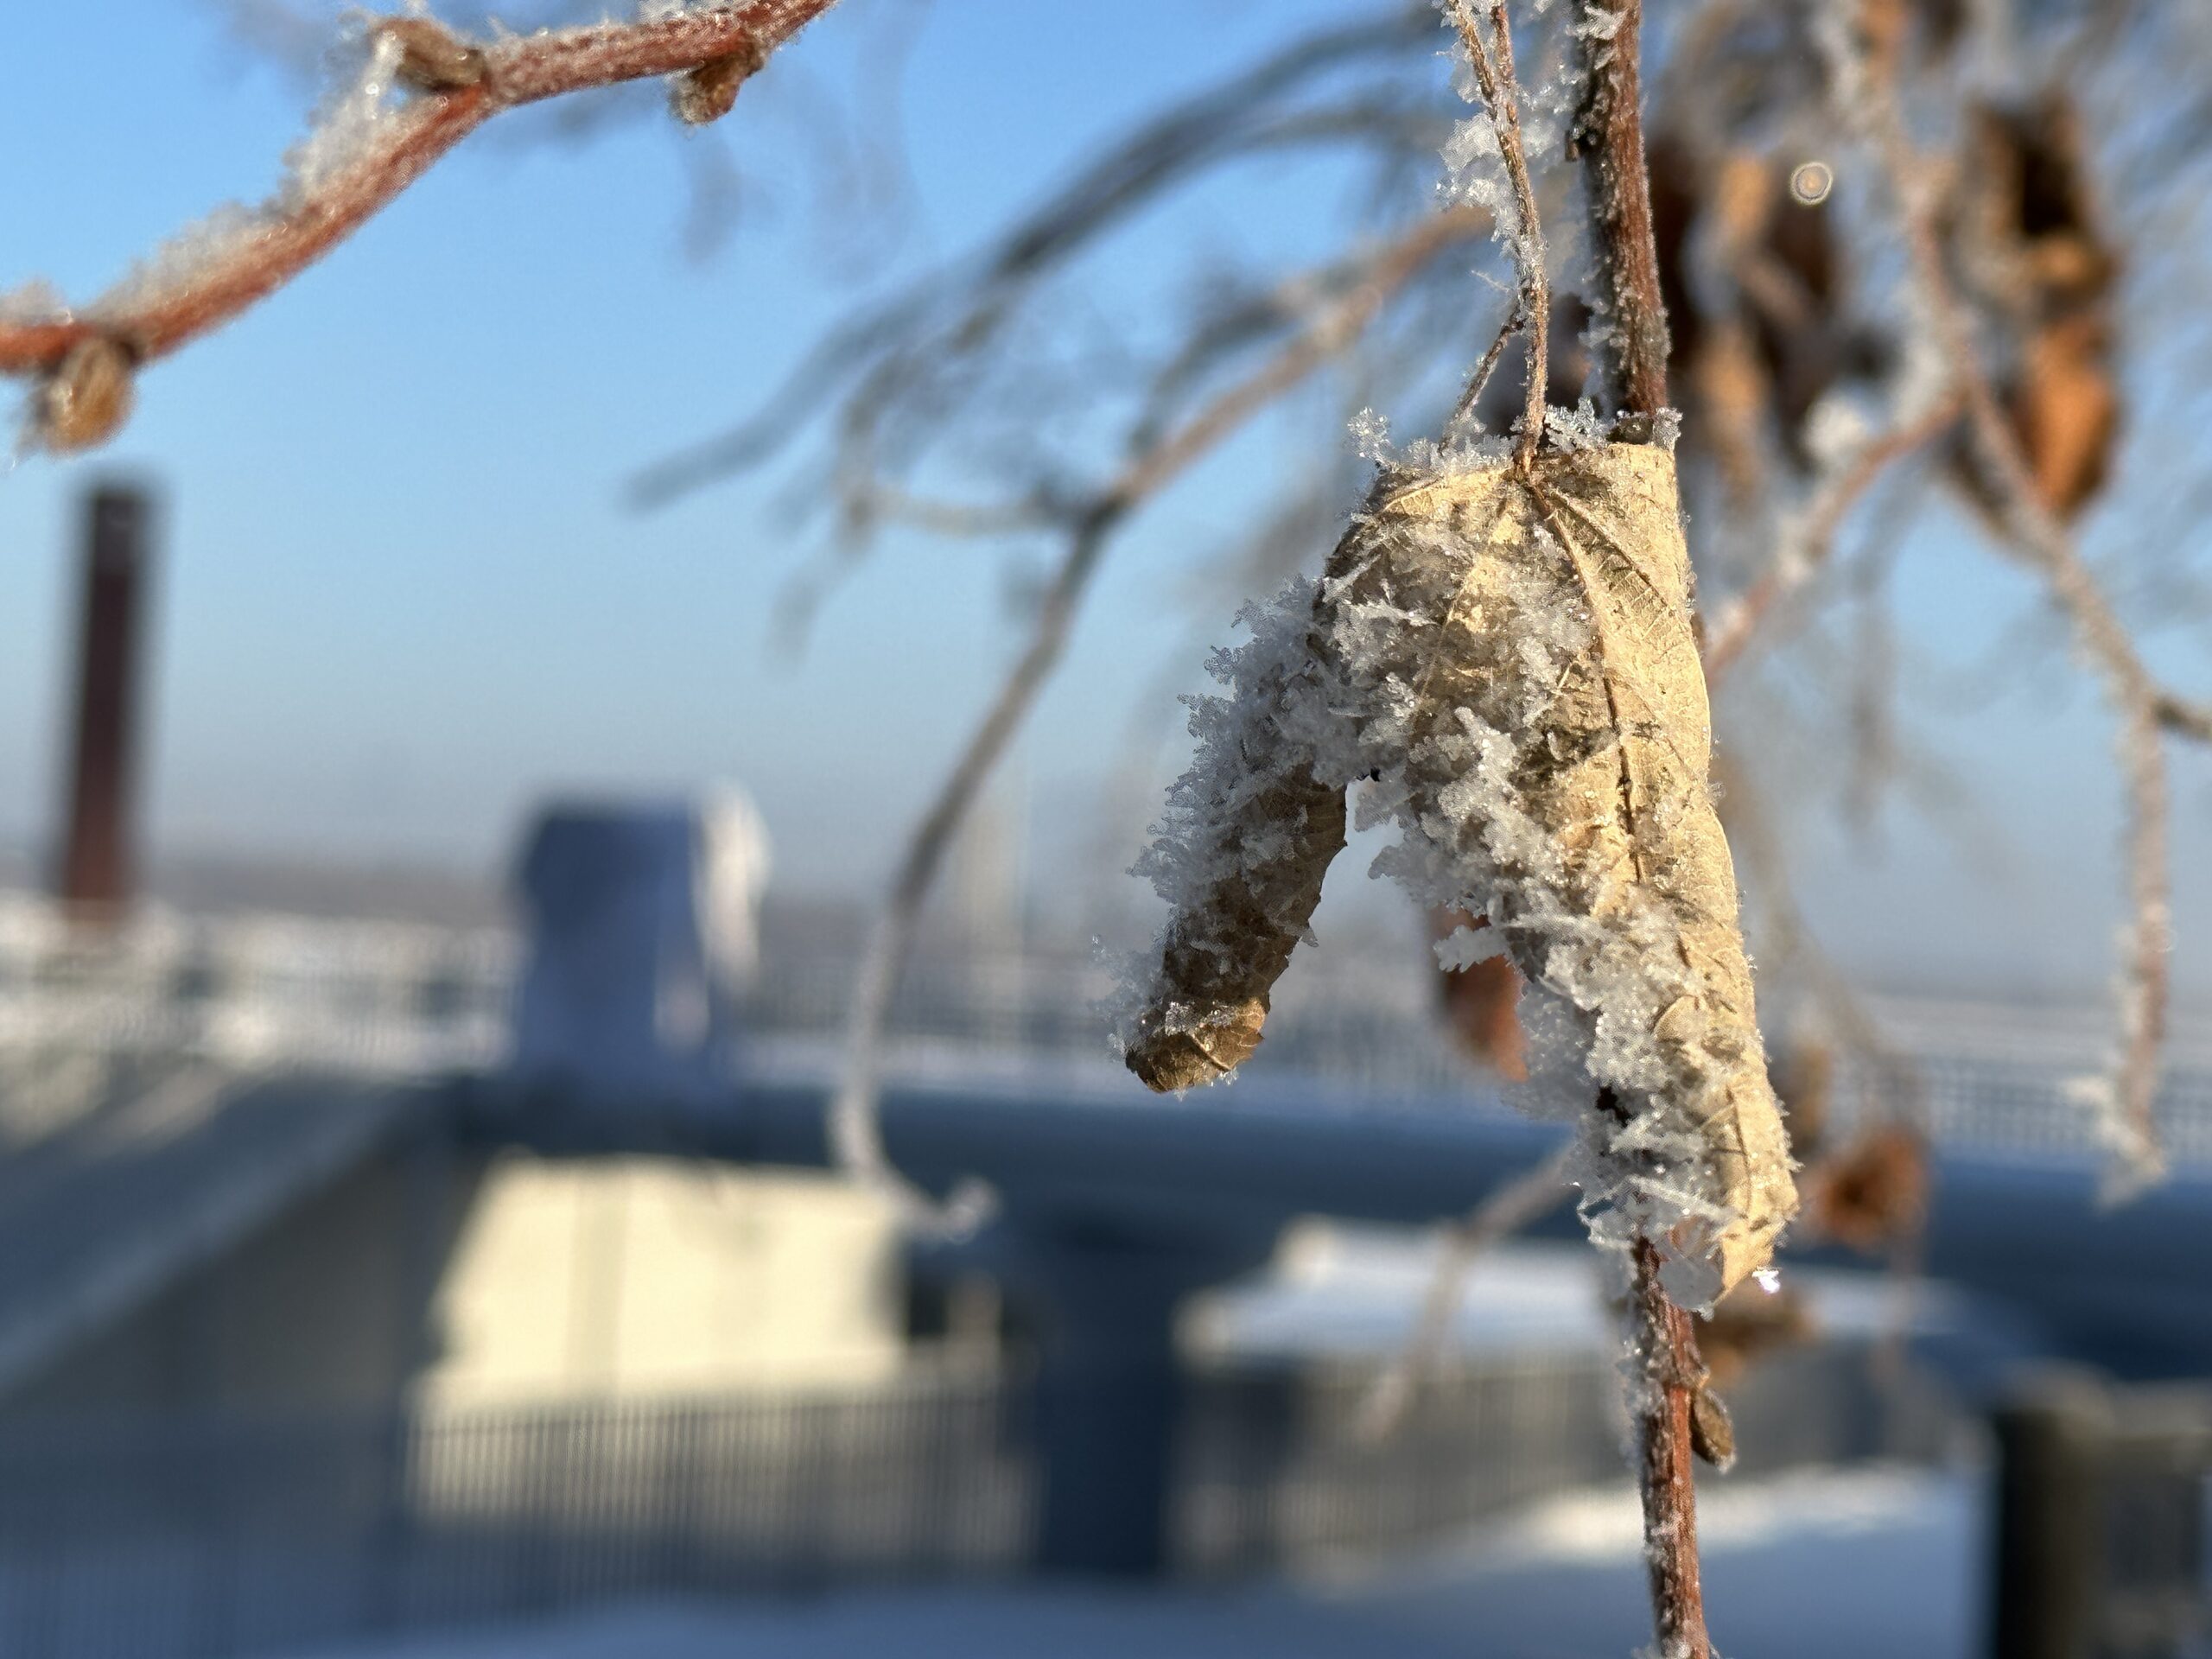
169	1538
251	994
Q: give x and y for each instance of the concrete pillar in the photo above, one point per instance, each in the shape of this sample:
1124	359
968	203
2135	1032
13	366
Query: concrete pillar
1110	1393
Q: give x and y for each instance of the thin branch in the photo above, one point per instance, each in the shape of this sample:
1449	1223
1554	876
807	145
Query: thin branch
1811	539
1527	1197
1608	138
2039	540
1501	93
855	1133
2184	718
1666	1348
871	501
154	319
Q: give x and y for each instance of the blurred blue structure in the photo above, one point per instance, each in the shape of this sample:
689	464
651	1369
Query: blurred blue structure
641	939
1115	1205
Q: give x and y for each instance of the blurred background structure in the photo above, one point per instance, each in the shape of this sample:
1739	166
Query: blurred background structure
416	1231
361	1275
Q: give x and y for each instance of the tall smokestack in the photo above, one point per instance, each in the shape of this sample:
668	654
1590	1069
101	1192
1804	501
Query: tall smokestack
97	857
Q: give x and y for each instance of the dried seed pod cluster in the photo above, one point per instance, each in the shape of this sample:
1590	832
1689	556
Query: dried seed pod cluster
1505	652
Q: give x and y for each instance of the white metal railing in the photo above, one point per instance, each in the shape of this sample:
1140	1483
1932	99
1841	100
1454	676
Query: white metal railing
81	1009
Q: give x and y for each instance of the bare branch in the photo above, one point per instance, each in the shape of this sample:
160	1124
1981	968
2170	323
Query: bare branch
465	86
1526	1198
2040	541
1502	98
855	1134
1609	139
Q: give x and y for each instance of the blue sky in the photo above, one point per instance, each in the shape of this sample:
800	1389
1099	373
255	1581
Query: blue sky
404	599
404	596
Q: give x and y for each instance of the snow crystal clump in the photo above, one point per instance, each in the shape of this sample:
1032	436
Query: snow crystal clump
1462	947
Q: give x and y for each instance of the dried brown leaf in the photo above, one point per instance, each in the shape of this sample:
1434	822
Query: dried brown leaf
1617	776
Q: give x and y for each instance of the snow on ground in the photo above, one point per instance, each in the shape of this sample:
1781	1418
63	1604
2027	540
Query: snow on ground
1814	1566
1357	1292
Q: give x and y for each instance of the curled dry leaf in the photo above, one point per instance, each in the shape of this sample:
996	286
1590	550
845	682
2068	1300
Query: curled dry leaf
1266	846
86	399
1506	653
2028	237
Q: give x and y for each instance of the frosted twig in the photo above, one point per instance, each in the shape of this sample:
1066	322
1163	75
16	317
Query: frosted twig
460	86
1632	363
2040	541
855	1136
1608	138
1527	1197
1501	93
1670	1373
1811	539
1479	382
2184	718
890	362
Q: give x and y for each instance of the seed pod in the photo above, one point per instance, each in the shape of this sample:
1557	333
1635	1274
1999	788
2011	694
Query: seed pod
702	96
432	57
86	399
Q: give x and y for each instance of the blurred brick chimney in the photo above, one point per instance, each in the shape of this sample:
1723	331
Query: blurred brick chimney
96	867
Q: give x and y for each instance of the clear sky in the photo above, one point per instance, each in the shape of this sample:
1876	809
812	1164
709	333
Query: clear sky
402	598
